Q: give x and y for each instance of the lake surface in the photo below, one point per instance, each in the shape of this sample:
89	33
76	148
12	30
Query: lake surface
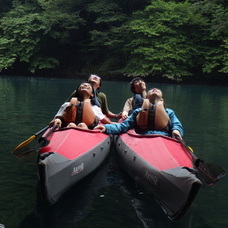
108	198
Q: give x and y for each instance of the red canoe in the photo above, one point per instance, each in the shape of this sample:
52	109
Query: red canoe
162	166
70	155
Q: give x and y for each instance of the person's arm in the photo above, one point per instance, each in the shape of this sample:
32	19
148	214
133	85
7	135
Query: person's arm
99	115
103	101
127	107
115	128
176	126
59	114
119	128
105	120
144	94
104	107
114	116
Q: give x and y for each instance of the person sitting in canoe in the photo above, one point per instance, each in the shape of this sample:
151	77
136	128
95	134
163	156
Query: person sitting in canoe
80	111
151	118
138	88
100	98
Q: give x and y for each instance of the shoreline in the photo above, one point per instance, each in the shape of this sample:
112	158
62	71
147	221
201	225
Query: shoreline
220	80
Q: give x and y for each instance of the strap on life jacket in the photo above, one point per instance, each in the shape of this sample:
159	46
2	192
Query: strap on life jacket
153	116
80	112
95	100
88	115
137	102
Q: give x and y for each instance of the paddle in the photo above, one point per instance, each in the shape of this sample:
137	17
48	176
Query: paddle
43	141
26	142
209	173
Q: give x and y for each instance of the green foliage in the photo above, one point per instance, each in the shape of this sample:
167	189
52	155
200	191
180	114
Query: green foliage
165	40
215	38
105	45
224	69
7	57
172	38
17	31
28	29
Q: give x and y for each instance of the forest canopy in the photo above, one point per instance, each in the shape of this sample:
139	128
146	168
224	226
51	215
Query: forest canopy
173	39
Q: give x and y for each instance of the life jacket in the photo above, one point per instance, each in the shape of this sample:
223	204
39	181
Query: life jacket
95	99
80	112
153	117
137	102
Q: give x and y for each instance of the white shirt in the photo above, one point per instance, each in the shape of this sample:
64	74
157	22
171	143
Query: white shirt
97	111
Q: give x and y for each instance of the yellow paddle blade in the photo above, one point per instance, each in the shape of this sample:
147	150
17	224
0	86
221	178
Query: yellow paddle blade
190	149
24	143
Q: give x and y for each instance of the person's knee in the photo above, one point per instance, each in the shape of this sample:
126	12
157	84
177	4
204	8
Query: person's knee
71	125
82	125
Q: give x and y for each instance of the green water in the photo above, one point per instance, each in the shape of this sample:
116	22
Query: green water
107	198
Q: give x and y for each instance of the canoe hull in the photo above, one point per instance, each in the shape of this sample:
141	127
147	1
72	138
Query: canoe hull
70	156
175	186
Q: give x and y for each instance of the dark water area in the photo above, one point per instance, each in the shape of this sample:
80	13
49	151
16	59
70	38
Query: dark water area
107	197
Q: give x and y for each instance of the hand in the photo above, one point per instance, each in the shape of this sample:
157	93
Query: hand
176	133
52	123
58	122
101	127
118	116
124	115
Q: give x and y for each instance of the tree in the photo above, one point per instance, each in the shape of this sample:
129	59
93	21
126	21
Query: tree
215	35
166	40
103	49
37	33
172	38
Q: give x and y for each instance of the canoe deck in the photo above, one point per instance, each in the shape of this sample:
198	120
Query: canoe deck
70	156
163	168
71	143
160	151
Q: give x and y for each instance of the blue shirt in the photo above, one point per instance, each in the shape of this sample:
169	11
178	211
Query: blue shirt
130	123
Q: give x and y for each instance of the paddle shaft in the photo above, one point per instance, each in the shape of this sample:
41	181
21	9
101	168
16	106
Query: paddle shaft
194	158
30	139
44	139
41	131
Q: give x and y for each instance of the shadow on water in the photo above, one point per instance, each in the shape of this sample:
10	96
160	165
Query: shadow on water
105	198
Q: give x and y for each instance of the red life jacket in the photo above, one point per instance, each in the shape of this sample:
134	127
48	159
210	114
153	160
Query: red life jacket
153	116
81	112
